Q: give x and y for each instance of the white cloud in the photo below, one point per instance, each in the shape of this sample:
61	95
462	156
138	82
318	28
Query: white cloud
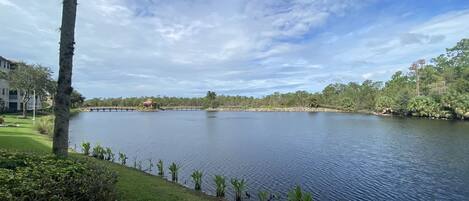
133	48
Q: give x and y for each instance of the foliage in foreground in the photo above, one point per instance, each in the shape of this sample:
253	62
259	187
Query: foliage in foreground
220	181
174	168
298	195
197	178
238	187
86	146
45	177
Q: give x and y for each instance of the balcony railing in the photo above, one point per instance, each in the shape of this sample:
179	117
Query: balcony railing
13	97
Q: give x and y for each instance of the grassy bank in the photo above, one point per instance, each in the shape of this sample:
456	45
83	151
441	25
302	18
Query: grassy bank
132	184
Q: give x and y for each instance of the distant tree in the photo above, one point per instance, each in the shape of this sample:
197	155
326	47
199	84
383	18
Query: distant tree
76	99
313	102
211	99
347	104
29	79
64	86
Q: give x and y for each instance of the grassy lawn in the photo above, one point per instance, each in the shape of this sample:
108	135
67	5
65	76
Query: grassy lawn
132	184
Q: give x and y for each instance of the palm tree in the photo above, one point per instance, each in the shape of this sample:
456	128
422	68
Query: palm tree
160	168
197	177
64	87
174	168
238	186
221	185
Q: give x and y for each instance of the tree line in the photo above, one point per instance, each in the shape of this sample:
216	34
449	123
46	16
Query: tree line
439	89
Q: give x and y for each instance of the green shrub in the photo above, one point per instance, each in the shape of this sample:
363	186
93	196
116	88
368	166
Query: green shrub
347	104
174	168
86	146
2	120
238	187
99	152
384	104
45	125
298	195
220	181
423	106
160	168
457	103
263	195
122	158
45	177
197	178
109	155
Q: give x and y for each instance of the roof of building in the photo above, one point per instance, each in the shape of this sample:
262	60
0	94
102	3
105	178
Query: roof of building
9	60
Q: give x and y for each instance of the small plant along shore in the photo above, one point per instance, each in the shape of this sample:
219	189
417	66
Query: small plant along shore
239	186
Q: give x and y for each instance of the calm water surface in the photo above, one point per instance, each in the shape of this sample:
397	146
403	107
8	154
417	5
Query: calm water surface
335	156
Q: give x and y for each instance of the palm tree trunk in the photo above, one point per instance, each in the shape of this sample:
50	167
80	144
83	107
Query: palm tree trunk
64	87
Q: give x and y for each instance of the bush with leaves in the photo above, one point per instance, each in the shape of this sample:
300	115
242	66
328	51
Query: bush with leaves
45	177
457	103
384	104
238	187
109	156
298	195
174	168
347	104
85	147
45	125
99	152
423	106
263	195
220	182
197	178
122	158
160	168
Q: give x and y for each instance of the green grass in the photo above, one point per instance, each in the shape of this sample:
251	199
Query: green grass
132	184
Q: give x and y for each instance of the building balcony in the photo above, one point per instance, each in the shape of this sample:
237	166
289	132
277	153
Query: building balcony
13	97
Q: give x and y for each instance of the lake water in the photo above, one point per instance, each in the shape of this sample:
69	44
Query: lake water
335	156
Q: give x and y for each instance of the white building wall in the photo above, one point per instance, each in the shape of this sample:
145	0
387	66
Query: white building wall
5	89
4	86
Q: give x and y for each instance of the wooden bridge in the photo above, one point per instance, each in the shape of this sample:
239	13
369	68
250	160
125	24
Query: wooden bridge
111	109
139	109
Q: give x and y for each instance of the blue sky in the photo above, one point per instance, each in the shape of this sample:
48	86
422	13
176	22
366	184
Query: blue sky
235	47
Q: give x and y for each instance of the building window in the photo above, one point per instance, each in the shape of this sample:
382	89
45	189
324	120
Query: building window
3	91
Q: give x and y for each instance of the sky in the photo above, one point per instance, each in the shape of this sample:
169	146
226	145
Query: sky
234	47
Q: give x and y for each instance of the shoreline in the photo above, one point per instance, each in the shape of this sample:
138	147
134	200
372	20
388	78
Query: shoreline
282	109
277	109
